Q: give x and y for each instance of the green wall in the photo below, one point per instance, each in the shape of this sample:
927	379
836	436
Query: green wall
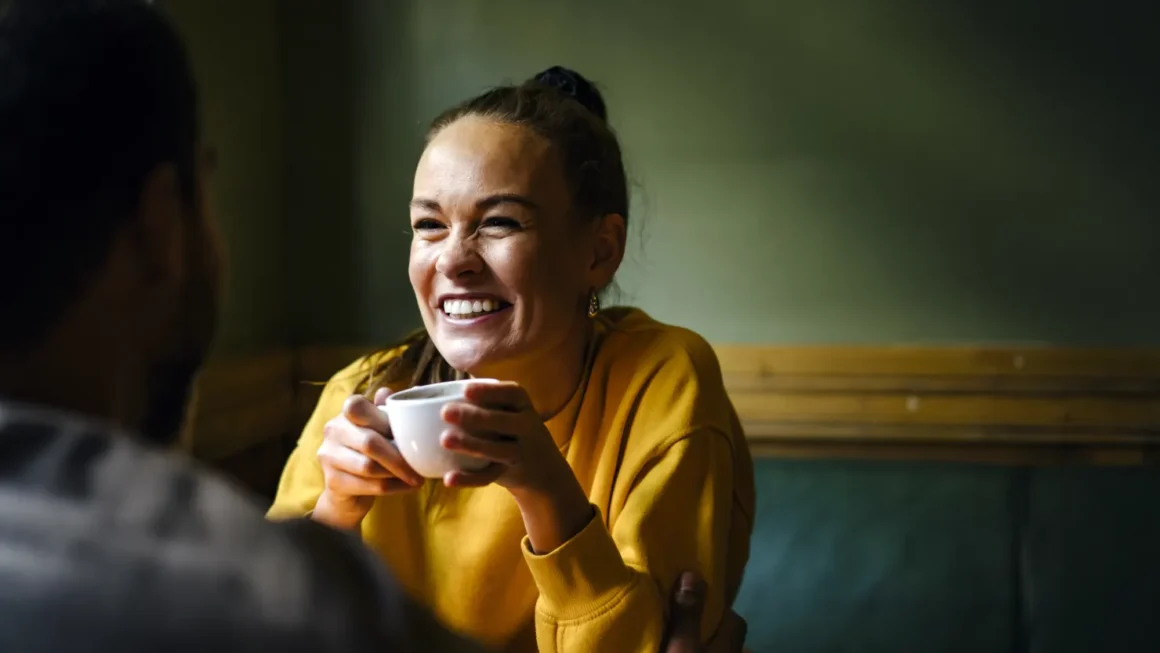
805	171
235	51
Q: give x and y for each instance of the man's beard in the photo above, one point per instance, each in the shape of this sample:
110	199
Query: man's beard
171	379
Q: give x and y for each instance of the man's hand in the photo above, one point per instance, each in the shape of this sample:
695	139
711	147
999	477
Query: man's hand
684	628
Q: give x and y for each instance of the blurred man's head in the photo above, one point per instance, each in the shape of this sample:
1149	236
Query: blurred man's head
107	254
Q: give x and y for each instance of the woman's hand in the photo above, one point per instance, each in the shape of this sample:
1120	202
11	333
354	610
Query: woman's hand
497	423
686	606
359	462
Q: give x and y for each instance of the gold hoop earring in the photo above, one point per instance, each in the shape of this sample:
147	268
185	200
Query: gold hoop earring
593	304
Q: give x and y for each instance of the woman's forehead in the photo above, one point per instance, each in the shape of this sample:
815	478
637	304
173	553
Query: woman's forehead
475	156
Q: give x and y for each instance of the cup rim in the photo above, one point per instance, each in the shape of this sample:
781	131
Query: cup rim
459	392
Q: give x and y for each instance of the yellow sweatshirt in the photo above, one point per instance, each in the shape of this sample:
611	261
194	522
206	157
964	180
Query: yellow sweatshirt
656	444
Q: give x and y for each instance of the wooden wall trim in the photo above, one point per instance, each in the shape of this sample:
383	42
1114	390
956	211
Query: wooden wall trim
1015	405
1029	405
945	361
242	402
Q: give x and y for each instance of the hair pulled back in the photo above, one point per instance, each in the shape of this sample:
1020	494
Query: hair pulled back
563	107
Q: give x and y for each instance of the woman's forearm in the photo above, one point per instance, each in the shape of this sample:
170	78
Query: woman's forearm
552	516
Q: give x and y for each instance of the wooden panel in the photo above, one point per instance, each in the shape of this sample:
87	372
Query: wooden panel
315	366
318	364
238	381
961	362
1018	405
242	402
980	452
1011	405
937	408
247	401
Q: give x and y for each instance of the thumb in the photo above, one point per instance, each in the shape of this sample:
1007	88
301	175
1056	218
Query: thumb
686	607
381	396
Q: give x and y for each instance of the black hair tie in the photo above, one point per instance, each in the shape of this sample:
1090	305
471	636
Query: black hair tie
575	85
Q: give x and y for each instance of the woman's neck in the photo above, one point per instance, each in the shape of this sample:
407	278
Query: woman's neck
550	378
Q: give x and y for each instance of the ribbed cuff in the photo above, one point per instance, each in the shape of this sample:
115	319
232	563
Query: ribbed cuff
582	575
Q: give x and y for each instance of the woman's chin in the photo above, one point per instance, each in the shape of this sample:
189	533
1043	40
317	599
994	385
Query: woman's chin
471	358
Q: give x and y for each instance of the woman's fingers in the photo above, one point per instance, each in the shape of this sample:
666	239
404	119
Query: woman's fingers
346	484
359	410
486	476
350	461
371	444
370	433
478	419
504	451
381	396
502	396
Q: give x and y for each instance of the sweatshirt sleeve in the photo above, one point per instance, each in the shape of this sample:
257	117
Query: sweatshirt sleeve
608	587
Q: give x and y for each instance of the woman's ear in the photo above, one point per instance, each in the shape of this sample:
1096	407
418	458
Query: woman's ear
608	249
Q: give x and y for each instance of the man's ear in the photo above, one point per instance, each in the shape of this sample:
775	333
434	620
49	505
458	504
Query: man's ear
608	249
157	227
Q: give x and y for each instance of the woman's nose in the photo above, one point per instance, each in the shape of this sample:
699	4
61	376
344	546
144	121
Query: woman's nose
458	257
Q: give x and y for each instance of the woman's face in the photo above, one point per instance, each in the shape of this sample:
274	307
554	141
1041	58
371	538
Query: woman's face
501	267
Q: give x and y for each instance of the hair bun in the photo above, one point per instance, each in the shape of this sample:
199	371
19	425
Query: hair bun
575	85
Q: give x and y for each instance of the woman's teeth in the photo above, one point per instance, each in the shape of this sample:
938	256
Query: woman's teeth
469	308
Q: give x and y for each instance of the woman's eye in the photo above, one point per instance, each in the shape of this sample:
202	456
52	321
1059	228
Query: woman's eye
426	224
501	223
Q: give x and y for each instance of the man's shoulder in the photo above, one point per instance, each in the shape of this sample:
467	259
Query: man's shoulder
92	519
91	473
115	540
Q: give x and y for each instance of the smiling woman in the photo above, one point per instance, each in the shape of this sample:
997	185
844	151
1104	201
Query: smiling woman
614	457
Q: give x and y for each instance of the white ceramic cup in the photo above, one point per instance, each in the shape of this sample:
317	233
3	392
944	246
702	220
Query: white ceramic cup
417	424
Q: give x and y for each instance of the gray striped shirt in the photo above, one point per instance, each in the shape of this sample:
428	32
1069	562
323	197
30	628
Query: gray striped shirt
107	545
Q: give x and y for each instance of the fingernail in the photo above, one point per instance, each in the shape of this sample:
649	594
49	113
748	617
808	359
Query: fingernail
689	591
